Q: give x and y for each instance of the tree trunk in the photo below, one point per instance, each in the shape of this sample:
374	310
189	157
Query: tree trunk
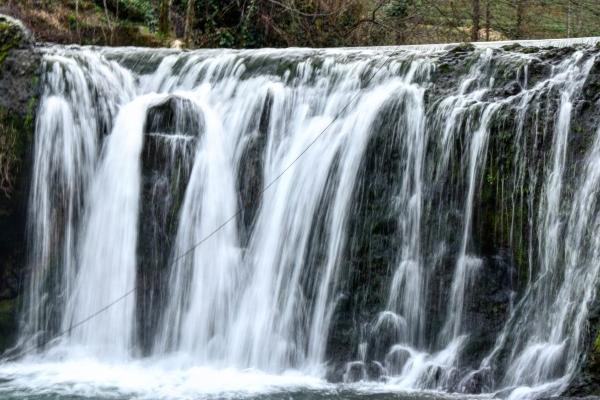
109	23
77	28
475	17
163	18
569	22
488	18
189	22
520	18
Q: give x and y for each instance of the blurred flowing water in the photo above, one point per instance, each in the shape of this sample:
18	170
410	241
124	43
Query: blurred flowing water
140	155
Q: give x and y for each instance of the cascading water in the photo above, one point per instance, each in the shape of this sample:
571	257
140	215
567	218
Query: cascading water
421	216
81	98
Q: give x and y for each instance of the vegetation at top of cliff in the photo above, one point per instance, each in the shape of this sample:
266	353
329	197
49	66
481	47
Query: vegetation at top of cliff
96	22
316	23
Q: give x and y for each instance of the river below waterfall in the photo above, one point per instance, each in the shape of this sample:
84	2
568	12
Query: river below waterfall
408	222
86	378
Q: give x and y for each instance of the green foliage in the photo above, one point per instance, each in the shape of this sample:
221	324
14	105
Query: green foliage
222	23
259	23
400	8
313	23
72	20
138	10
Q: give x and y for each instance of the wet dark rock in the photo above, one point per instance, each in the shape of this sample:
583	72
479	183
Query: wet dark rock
585	123
512	47
19	87
462	48
512	89
175	116
386	330
490	305
376	371
449	68
355	372
518	48
373	245
335	372
587	381
556	54
250	177
172	129
432	377
396	359
591	89
572	398
475	382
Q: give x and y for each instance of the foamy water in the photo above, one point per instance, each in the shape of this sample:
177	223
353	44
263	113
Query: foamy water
158	380
81	376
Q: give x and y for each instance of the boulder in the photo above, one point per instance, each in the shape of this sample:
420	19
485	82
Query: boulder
13	35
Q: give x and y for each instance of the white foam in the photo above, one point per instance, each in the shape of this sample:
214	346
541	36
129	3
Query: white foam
158	380
168	379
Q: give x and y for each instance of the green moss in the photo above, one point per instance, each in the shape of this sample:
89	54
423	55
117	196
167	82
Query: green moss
444	68
29	118
593	364
597	343
512	47
10	37
463	48
8	320
4	49
6	309
15	135
502	219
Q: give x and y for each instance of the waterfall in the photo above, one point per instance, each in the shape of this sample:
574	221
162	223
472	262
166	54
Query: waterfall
546	338
421	216
81	98
109	239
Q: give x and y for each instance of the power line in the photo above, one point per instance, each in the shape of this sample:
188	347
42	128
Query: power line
83	321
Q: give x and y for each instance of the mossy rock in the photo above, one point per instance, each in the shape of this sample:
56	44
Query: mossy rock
512	47
518	48
463	48
13	35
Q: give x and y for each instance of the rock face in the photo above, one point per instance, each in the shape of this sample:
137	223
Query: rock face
587	382
19	85
171	130
587	120
372	254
